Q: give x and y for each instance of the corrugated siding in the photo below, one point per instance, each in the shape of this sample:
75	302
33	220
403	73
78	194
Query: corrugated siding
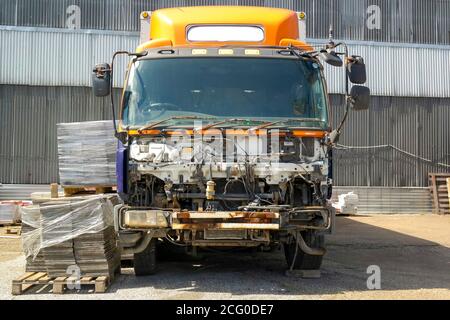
389	200
413	21
28	118
22	191
60	58
398	70
45	57
29	114
415	125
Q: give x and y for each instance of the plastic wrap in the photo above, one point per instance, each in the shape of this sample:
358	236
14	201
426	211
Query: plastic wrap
87	153
31	220
9	212
347	203
58	224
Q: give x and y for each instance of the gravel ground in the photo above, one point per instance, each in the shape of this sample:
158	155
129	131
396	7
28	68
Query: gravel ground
412	251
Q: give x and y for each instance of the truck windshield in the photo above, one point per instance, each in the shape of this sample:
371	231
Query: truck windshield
218	88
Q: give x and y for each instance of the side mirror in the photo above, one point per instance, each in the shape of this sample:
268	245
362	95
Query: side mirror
356	70
360	97
101	80
331	58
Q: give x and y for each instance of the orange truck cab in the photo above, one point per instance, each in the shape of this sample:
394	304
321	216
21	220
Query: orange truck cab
224	134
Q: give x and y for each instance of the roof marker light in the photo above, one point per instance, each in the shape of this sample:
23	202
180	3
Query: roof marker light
226	51
199	51
252	51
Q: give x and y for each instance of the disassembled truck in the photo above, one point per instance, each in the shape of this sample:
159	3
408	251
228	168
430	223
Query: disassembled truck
224	133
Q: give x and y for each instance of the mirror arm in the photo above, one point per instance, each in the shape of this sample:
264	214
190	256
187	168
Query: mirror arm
117	134
333	136
111	89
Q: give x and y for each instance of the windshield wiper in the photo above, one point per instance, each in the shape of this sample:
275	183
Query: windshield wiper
154	124
215	124
268	124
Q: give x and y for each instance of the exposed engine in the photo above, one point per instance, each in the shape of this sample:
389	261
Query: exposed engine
213	172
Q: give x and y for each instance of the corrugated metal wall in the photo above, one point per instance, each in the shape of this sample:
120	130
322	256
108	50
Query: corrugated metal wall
415	125
413	21
28	117
59	57
388	200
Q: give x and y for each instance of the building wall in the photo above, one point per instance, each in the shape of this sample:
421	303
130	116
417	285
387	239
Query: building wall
406	21
28	118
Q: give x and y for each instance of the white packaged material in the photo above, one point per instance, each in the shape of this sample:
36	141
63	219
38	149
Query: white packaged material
87	153
9	212
347	203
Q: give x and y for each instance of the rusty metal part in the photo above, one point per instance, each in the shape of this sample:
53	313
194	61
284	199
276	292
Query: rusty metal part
225	225
224	215
231	234
226	243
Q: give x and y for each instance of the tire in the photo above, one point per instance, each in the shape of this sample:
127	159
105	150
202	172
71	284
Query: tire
145	261
305	261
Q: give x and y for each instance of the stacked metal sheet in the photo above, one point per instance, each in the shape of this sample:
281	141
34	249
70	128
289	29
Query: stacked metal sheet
73	234
96	254
86	153
58	254
30	222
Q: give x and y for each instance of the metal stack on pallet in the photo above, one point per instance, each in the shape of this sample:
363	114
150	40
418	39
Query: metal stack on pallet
440	192
87	154
60	256
31	222
70	236
96	253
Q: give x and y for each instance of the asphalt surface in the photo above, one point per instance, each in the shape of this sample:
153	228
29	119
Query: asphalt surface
411	251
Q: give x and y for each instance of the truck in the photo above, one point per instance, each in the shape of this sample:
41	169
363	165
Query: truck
224	134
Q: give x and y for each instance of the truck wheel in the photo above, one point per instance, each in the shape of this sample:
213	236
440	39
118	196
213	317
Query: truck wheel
145	261
305	261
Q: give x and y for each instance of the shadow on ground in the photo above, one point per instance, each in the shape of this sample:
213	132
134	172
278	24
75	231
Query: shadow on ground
406	263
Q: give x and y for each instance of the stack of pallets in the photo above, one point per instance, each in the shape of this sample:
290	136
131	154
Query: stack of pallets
439	187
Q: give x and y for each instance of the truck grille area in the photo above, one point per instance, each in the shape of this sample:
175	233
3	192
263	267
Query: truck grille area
210	234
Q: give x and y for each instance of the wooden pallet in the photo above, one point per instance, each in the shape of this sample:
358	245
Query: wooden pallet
439	188
33	279
73	190
14	230
9	224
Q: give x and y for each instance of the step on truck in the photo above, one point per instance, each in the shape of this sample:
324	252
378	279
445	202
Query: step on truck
224	136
